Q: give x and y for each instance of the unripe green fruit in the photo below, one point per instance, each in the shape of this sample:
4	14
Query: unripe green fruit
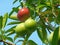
20	29
30	23
14	17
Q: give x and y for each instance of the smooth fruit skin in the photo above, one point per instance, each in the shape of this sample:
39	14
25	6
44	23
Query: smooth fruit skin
30	23
23	14
14	17
20	29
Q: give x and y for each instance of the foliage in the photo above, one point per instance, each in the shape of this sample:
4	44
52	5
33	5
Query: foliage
47	11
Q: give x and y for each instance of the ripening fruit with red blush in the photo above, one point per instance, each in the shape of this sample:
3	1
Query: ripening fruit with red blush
23	14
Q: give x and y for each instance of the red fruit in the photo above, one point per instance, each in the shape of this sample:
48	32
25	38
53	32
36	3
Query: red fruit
23	14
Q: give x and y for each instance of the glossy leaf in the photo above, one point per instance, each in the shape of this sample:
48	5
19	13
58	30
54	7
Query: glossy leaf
5	18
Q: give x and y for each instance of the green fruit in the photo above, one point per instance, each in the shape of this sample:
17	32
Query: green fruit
14	17
30	23
20	29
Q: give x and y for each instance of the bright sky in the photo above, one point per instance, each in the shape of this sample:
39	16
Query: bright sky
6	6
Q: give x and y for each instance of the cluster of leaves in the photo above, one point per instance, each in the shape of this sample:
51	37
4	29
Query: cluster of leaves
47	11
3	33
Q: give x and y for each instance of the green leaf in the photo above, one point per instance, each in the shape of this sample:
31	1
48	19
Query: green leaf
40	6
1	18
11	29
5	18
9	38
15	37
42	35
55	37
15	1
2	32
0	35
14	9
10	33
19	41
14	22
11	13
30	42
4	37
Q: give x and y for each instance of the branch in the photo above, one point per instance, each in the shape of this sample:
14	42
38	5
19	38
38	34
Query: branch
6	42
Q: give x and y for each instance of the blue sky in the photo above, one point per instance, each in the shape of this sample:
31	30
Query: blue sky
6	6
